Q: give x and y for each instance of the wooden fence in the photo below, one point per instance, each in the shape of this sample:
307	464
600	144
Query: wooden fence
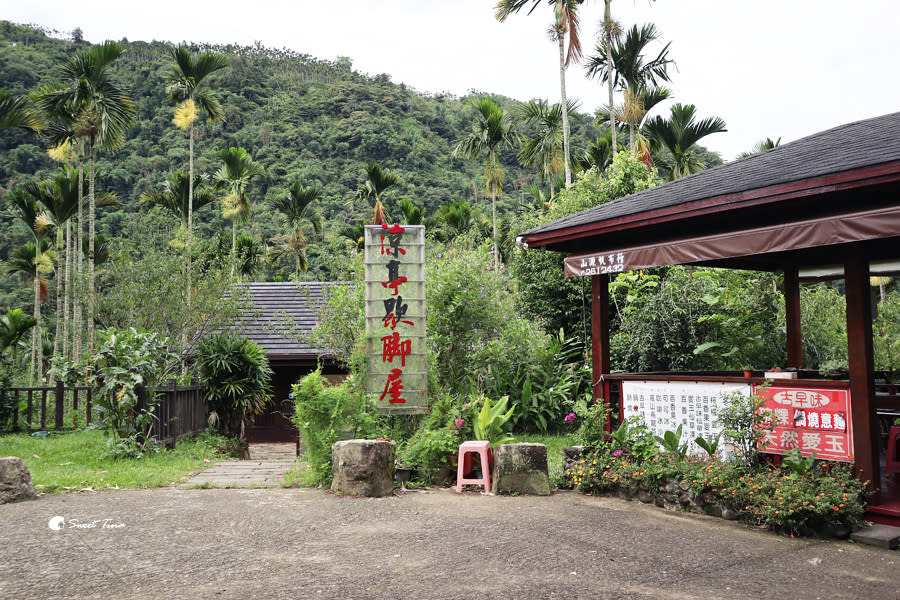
179	410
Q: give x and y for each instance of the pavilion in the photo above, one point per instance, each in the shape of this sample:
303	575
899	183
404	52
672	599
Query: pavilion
824	205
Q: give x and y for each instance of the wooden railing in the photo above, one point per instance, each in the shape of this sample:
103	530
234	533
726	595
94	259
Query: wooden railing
179	410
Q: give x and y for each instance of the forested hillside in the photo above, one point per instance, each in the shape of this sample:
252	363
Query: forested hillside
299	117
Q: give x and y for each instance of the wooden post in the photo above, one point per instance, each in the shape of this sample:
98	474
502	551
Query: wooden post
792	317
600	364
60	403
861	359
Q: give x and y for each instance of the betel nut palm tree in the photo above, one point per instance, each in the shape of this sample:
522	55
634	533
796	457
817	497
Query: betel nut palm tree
59	206
565	26
18	111
297	207
233	177
377	182
632	72
679	135
89	105
24	203
187	87
491	131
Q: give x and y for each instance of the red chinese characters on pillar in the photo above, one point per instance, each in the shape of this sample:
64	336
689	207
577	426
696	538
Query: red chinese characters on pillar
394	387
392	345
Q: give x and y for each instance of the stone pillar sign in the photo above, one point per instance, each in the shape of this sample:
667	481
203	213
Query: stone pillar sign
395	317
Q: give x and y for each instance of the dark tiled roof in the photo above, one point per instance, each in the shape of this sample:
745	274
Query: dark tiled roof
844	148
283	314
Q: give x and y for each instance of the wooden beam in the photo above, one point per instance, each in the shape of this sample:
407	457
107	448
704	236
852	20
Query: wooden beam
600	364
861	358
792	317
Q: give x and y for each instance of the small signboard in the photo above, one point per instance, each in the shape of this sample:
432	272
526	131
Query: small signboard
396	371
815	420
664	405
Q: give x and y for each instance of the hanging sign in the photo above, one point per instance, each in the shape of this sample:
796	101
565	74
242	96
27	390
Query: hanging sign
817	421
396	371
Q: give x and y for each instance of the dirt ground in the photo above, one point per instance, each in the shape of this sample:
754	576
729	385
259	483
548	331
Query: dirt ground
302	543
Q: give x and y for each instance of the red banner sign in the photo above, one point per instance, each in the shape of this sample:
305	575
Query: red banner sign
817	421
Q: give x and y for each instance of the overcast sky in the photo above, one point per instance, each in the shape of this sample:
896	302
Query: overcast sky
769	68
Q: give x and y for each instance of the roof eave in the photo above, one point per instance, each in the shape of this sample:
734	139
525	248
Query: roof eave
845	180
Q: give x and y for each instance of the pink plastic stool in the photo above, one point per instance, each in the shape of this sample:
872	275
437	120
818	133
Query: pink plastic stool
466	449
892	461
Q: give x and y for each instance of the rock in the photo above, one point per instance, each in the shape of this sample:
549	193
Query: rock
15	480
729	514
573	452
521	469
363	467
644	496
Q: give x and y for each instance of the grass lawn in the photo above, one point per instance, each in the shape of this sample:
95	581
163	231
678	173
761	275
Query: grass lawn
555	445
70	461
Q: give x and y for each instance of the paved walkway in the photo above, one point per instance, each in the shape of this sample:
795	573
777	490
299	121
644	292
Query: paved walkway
242	474
171	543
273	451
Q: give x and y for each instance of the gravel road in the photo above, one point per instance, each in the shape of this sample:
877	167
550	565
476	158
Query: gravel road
302	543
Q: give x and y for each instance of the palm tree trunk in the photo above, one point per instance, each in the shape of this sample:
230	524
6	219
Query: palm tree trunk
78	280
608	25
36	347
188	250
67	297
564	107
59	290
494	221
233	244
190	215
91	299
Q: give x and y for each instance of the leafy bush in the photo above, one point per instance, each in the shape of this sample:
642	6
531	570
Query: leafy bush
474	330
325	413
126	361
745	424
236	374
779	498
491	421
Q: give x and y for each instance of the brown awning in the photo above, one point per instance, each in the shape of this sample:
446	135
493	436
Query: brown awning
824	231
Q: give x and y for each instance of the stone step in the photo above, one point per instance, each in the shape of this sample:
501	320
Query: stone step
883	536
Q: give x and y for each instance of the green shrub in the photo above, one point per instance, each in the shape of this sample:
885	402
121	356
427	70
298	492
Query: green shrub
125	361
326	413
236	375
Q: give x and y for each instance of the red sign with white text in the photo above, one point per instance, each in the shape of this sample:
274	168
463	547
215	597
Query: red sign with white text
815	420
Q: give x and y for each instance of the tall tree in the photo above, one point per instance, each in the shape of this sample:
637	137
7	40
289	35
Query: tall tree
377	182
99	111
565	27
233	177
297	207
679	135
544	149
491	132
24	203
187	87
176	195
18	111
60	205
637	76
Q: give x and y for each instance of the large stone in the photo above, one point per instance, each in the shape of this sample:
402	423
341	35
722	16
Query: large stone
521	469
15	480
363	467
